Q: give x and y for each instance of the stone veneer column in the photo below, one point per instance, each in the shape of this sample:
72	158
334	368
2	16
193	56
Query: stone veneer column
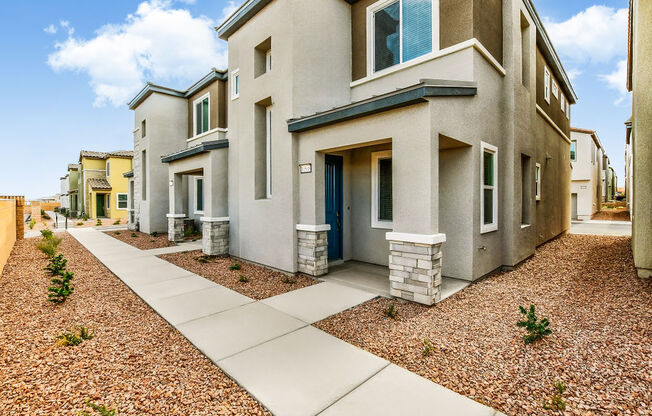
175	227
312	249
215	236
415	266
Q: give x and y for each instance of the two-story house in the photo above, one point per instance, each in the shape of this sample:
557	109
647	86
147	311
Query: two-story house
587	179
430	137
102	187
182	127
73	190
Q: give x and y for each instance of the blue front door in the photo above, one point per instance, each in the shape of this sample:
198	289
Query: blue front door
334	205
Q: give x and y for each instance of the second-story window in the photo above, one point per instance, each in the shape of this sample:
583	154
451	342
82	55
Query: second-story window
573	150
546	84
235	84
201	114
108	169
143	128
400	30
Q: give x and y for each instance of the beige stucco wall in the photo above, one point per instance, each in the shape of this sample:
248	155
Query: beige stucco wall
7	229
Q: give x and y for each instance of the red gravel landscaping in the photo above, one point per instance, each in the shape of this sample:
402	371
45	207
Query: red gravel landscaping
140	240
262	282
600	347
136	360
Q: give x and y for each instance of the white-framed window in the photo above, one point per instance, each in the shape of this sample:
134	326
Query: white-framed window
122	202
562	103
268	150
573	151
381	190
537	181
555	89
268	60
399	31
108	201
489	188
546	84
567	110
108	169
235	84
201	114
199	194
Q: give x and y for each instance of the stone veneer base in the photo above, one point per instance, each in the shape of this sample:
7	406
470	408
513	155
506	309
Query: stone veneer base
176	228
312	246
215	237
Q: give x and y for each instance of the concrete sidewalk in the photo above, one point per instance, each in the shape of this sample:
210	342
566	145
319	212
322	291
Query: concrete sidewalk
601	227
270	348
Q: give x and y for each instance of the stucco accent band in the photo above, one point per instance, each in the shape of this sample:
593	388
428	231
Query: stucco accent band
215	236
314	228
415	266
312	251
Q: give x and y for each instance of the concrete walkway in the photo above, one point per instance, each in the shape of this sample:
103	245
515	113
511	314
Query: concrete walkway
599	227
270	348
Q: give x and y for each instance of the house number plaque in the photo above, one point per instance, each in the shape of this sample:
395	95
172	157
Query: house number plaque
305	168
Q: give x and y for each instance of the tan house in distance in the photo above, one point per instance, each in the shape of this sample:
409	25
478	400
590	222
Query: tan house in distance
588	180
639	134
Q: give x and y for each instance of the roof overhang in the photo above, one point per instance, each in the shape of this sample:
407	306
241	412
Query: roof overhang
396	99
592	133
195	150
129	174
239	17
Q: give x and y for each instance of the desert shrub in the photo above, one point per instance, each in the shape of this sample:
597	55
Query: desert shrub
290	280
47	234
61	288
116	222
155	234
80	223
235	266
134	235
428	348
100	409
556	401
49	246
536	329
98	223
75	337
57	265
391	311
243	279
84	217
32	223
116	232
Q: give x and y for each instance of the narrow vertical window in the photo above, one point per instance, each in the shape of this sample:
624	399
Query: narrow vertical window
537	181
381	190
562	103
143	175
567	110
199	195
201	114
489	188
525	51
573	151
143	128
108	169
268	155
546	84
235	84
526	186
268	60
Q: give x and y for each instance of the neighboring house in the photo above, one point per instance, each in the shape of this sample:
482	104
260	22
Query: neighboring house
612	184
587	158
190	122
639	133
64	198
629	160
102	184
73	193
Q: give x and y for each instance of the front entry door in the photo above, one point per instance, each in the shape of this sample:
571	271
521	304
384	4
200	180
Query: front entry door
100	205
334	205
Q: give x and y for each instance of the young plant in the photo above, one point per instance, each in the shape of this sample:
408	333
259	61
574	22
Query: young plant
98	223
134	235
243	278
117	222
290	280
100	409
61	288
116	232
57	265
84	217
49	246
32	223
47	234
556	402
428	348
536	329
80	223
68	339
235	266
391	311
85	333
155	234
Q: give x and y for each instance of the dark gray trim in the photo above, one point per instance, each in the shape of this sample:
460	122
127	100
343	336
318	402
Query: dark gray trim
401	98
240	17
129	174
195	150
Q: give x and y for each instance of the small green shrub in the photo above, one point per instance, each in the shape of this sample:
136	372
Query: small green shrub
116	232
68	339
290	280
134	235
556	401
428	348
391	311
537	329
80	223
243	278
100	409
47	234
155	234
42	212
116	222
49	246
98	223
32	223
57	265
84	217
61	288
235	266
85	333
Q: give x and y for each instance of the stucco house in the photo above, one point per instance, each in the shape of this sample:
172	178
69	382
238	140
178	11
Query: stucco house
64	199
431	138
588	186
101	183
73	189
638	162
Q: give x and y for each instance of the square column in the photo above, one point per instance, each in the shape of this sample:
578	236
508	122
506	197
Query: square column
176	227
312	249
415	266
215	236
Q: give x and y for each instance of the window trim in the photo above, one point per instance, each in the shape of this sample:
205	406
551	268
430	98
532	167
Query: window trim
493	226
371	39
194	208
573	159
235	89
537	181
117	201
546	84
194	114
268	152
375	190
555	88
268	60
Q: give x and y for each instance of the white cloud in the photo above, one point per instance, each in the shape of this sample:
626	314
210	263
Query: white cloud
596	34
573	73
157	43
617	80
228	10
51	29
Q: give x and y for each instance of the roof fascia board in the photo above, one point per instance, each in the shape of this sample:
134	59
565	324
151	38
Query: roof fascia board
148	90
195	150
240	17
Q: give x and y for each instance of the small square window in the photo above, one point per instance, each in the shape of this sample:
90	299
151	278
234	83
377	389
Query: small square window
122	201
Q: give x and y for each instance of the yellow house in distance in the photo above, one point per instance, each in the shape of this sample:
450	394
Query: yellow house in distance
102	182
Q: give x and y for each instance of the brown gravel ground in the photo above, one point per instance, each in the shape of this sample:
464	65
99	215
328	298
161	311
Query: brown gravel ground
135	360
142	241
615	214
263	282
601	345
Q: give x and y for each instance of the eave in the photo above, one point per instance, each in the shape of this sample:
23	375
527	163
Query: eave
195	150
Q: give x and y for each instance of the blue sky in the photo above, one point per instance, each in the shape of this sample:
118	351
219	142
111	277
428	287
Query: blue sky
69	67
